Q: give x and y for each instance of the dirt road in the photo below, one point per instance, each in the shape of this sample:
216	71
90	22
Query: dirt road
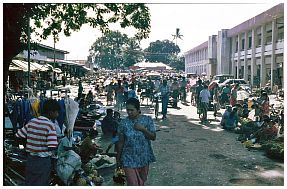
191	154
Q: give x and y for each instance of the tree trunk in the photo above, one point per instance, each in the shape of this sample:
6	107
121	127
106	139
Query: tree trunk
14	19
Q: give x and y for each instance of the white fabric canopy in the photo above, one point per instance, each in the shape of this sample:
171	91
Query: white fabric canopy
152	65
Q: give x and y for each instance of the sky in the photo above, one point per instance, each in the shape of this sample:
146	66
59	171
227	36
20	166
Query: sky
196	20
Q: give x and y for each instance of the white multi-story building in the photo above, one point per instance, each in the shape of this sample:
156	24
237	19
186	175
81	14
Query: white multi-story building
252	50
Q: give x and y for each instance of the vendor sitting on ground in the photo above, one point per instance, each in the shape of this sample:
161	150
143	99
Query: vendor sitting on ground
108	123
268	131
232	120
225	116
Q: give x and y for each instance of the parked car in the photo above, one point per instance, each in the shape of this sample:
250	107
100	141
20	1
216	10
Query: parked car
242	83
222	77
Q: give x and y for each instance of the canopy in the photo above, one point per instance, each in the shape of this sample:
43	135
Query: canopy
57	70
152	65
242	94
23	65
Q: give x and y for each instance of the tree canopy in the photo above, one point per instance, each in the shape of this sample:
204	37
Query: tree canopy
159	51
52	19
115	50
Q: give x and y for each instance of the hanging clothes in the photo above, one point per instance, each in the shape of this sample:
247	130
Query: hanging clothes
62	113
20	113
42	101
35	106
13	114
27	111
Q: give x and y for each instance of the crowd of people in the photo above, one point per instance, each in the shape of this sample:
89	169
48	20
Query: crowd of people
132	135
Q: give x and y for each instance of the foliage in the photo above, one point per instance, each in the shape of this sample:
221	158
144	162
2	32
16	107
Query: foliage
56	18
274	149
132	53
115	50
177	62
160	51
52	19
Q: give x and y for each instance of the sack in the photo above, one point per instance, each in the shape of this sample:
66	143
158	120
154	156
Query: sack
68	162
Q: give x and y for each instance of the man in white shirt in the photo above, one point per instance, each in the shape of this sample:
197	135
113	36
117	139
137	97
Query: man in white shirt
204	99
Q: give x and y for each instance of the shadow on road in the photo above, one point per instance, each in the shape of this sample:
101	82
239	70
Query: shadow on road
191	154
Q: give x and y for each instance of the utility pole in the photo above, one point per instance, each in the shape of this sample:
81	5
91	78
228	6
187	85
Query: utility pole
29	82
54	65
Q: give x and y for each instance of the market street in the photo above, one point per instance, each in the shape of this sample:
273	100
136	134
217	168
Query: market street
191	154
207	155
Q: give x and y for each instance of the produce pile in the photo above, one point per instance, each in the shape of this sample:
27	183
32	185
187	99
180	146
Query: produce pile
275	148
255	135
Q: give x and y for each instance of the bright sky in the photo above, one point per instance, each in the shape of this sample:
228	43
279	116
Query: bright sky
196	22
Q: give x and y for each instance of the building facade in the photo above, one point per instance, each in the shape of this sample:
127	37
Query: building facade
252	50
196	60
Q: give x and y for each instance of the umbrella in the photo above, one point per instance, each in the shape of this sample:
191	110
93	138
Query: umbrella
242	94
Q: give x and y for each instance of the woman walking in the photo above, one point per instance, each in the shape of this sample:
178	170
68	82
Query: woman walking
134	146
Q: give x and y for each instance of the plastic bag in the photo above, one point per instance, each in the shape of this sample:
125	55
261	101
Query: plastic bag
103	161
68	162
72	109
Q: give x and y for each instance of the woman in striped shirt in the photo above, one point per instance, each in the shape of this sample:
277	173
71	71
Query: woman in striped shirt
41	139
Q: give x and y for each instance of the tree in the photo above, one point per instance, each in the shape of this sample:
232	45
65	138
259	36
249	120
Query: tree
107	50
115	50
132	53
52	19
159	51
177	62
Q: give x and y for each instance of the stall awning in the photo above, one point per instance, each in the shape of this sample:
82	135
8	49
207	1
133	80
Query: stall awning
57	70
23	65
14	68
34	66
40	67
59	61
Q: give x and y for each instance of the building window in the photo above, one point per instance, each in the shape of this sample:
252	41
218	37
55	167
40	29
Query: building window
236	46
280	36
268	40
249	42
259	40
242	44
